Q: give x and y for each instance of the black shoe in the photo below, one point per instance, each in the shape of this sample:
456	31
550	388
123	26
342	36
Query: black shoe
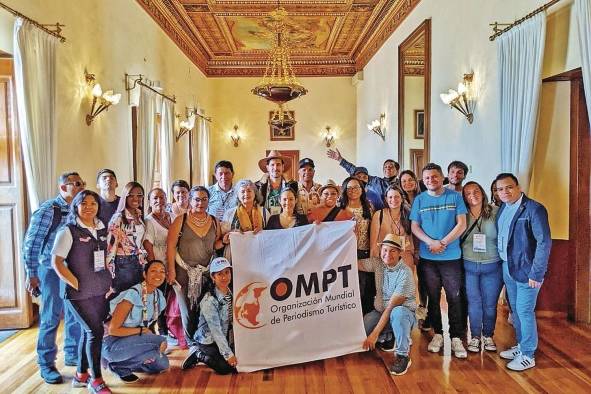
425	325
51	375
401	365
128	379
192	359
386	346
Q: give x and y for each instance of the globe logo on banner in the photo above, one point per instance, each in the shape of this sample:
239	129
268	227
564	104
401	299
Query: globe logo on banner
247	308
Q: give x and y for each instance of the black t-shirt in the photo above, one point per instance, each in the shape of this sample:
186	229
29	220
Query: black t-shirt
107	210
275	224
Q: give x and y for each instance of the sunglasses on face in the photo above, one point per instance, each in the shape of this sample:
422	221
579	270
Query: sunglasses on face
77	183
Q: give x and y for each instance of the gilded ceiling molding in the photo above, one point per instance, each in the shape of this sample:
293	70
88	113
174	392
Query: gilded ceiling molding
228	37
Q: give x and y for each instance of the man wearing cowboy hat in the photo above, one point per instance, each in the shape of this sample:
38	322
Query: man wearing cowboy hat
394	313
328	210
270	185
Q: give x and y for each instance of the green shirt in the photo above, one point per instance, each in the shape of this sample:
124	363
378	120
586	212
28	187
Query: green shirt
488	228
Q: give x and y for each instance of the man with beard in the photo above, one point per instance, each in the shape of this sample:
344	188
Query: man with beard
456	174
270	185
306	186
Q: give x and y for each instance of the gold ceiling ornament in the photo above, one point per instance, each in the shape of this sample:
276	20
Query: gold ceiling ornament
279	83
282	118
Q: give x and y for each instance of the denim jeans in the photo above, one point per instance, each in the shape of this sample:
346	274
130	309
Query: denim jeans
447	274
128	272
52	307
90	314
402	320
523	301
135	353
483	286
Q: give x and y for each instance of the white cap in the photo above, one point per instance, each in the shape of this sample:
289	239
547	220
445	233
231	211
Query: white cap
219	264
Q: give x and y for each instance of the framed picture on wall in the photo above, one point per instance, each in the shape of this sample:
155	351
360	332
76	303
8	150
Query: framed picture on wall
284	132
294	157
419	123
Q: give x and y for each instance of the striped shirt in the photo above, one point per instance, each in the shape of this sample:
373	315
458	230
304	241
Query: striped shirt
34	251
397	280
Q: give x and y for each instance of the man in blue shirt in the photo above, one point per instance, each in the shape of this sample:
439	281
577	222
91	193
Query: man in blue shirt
524	243
438	219
221	195
42	279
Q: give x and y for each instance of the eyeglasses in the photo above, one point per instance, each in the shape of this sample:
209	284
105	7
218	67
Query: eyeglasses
353	187
77	183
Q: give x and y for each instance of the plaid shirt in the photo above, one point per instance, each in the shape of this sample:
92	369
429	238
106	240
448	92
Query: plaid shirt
34	253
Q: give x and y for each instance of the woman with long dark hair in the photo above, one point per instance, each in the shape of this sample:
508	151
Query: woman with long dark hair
288	218
410	185
482	264
79	260
125	250
192	241
354	201
394	219
130	345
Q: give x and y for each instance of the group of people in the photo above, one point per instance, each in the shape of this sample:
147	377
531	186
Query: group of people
116	270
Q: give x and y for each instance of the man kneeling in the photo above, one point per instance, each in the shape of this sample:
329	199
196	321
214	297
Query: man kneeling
394	312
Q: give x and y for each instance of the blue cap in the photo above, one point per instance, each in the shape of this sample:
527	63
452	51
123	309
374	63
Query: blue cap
362	170
218	264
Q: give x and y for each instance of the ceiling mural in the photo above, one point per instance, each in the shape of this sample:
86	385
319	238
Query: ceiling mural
232	37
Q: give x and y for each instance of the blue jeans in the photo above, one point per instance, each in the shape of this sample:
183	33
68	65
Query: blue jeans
135	353
483	287
128	272
523	301
50	314
402	320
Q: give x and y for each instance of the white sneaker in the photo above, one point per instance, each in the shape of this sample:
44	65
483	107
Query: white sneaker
436	343
511	353
489	344
474	345
457	347
521	363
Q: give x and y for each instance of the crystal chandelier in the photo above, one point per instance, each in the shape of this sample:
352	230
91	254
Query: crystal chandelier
279	84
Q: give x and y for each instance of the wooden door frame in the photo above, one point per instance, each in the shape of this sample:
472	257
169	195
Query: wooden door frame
424	27
579	245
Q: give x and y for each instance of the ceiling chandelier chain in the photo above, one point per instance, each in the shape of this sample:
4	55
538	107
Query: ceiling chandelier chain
279	83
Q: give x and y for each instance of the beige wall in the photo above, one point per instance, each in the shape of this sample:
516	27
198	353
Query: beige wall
414	98
460	44
330	101
109	38
550	181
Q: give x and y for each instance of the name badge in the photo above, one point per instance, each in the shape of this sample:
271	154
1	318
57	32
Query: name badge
99	260
479	243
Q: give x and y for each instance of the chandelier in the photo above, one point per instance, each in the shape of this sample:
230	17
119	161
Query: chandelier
279	84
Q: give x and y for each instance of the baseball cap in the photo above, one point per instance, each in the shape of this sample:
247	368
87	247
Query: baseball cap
218	264
361	169
307	162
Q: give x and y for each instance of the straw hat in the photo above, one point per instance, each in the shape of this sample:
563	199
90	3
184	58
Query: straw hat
391	240
329	183
274	155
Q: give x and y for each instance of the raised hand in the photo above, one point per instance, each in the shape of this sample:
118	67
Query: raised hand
334	154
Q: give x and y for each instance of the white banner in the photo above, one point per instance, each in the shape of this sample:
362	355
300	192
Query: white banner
296	295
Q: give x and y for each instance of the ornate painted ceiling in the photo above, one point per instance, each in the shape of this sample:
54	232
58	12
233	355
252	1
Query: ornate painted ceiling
231	37
414	57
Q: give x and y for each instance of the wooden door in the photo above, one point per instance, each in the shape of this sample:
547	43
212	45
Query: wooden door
417	161
15	304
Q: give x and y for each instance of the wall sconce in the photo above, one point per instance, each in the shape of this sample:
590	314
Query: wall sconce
377	126
462	99
235	136
328	137
185	126
105	100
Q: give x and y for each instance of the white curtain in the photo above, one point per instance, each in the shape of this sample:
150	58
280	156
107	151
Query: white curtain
583	13
146	138
520	53
34	70
166	143
202	152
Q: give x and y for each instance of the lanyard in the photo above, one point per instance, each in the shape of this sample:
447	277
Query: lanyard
155	305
